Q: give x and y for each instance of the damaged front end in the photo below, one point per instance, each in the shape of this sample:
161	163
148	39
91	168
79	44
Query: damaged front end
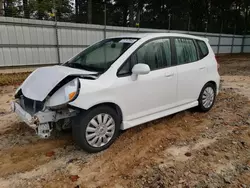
38	116
42	101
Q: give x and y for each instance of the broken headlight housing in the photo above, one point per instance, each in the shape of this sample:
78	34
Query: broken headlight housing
67	93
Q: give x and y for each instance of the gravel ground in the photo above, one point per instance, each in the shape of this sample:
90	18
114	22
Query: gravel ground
188	149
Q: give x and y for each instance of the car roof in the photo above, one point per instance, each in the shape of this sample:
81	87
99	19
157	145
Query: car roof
156	35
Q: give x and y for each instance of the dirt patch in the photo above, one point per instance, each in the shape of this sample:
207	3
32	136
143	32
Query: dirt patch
13	78
188	149
234	65
24	158
241	84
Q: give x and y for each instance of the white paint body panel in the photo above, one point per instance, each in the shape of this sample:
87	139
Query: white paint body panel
160	93
193	76
38	85
154	95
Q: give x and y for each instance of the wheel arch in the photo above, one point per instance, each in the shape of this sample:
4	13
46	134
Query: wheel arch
79	130
200	106
209	82
114	106
214	83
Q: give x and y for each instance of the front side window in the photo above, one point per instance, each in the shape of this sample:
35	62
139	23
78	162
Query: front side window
102	55
185	51
156	54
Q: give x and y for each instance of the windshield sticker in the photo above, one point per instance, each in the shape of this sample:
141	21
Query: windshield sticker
127	41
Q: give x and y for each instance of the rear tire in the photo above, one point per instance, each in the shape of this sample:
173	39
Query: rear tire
207	97
96	129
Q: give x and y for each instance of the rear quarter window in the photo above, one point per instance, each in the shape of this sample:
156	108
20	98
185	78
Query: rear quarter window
203	48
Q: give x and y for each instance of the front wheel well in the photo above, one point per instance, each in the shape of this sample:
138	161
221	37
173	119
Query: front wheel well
112	105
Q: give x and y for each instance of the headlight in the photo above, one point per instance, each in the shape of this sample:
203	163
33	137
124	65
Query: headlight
65	94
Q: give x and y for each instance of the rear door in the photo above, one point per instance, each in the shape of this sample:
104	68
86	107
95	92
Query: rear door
191	70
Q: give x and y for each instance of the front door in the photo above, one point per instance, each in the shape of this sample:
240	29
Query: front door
150	93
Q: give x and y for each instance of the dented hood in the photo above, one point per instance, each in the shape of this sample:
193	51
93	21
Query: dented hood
39	84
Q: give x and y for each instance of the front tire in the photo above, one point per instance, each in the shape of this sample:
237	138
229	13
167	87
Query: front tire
207	97
96	129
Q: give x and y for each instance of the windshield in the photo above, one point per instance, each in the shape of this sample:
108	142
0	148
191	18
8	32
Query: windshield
99	57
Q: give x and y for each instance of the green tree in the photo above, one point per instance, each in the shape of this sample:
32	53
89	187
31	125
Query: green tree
1	7
64	10
42	9
197	15
90	11
246	8
26	9
12	8
80	11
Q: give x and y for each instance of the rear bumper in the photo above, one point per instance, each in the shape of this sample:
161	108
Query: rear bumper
218	83
218	90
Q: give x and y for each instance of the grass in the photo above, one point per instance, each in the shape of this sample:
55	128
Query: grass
13	78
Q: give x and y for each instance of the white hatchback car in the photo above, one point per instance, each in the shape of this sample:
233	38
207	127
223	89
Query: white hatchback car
119	83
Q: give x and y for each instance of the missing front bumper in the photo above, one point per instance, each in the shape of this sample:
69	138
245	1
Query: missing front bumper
42	121
25	116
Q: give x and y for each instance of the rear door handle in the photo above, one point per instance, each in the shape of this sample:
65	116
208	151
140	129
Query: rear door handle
169	75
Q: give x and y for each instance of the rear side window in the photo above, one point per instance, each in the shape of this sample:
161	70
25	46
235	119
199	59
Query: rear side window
203	48
185	51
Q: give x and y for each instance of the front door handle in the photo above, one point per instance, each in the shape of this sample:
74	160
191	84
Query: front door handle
169	75
202	68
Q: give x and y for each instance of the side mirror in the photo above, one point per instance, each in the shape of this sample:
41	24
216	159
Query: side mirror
140	69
